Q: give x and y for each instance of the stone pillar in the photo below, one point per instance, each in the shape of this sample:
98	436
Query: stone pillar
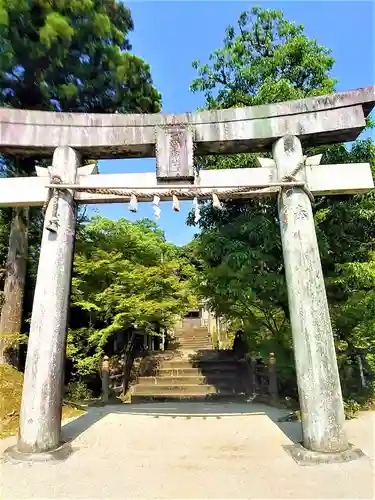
40	419
272	380
105	379
317	373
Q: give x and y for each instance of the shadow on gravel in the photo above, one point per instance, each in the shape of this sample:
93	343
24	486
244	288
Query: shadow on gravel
187	411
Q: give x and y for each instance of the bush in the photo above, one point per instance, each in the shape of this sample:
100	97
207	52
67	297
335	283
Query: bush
126	398
78	391
351	409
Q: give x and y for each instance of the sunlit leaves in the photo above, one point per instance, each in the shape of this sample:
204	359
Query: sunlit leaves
56	28
71	55
101	24
68	90
125	274
267	59
4	18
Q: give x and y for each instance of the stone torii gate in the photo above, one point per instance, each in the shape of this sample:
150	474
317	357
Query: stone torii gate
174	139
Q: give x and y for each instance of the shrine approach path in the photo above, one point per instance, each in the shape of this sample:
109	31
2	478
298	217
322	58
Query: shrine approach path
189	450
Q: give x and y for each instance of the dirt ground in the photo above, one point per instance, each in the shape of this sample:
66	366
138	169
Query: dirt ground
189	450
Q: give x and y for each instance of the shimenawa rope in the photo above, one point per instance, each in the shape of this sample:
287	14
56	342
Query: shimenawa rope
193	192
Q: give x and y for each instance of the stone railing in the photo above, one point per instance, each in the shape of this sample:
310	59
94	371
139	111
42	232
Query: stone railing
118	373
118	376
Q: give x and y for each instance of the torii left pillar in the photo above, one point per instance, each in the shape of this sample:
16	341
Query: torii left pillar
40	418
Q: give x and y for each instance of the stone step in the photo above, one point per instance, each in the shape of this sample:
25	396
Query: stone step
216	379
185	339
189	351
191	322
208	365
191	331
210	356
191	334
191	328
216	354
194	345
202	342
193	337
177	389
227	398
193	341
191	372
195	349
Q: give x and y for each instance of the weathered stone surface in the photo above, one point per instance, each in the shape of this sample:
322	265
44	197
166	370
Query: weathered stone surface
307	457
60	454
318	380
322	180
174	152
317	120
40	418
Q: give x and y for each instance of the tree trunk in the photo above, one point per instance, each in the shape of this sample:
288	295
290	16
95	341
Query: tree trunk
361	373
128	363
11	313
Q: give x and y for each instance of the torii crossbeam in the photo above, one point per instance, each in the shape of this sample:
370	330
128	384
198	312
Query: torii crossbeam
321	180
174	139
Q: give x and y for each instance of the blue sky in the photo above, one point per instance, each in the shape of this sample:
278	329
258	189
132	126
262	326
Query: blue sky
169	35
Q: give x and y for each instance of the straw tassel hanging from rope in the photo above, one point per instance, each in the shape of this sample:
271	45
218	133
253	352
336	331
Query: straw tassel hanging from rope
175	203
197	214
156	206
133	203
216	202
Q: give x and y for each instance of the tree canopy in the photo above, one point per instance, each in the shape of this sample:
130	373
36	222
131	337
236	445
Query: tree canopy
72	55
62	55
268	59
125	276
265	59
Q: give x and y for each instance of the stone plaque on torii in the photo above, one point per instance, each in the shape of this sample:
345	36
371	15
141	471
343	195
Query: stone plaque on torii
284	128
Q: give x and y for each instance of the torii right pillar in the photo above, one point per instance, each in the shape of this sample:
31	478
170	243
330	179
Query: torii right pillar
321	403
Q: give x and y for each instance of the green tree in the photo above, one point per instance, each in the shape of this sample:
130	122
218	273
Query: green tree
266	59
63	55
72	55
269	59
125	275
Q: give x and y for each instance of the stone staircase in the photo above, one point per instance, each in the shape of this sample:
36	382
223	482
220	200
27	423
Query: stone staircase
190	336
189	370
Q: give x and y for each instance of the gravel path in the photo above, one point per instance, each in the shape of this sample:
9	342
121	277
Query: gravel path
189	450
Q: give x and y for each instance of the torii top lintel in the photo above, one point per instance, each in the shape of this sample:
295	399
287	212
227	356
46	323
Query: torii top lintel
317	120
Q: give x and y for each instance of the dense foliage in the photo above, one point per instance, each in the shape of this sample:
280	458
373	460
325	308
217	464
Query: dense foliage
72	56
61	55
125	276
268	59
